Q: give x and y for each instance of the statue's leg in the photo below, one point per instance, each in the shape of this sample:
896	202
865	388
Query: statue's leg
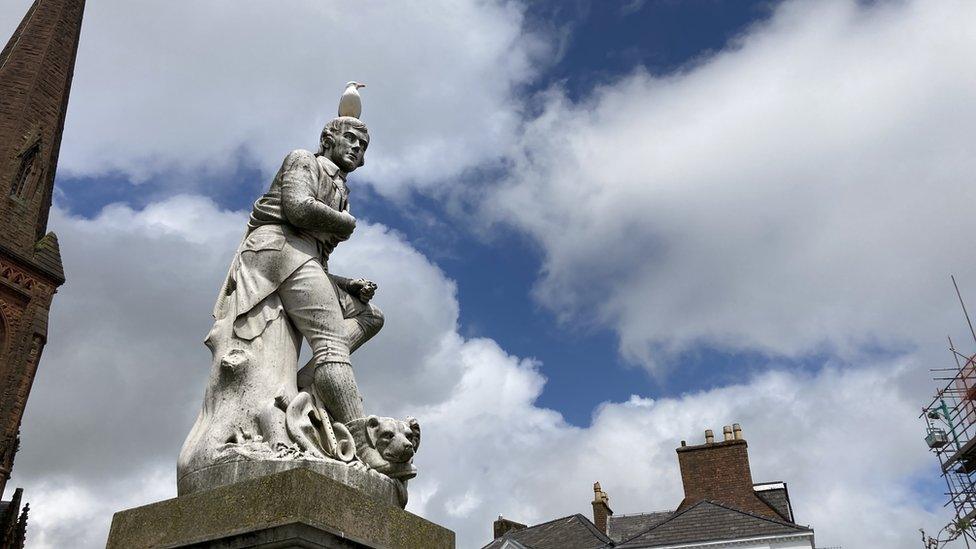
310	300
362	320
365	327
336	386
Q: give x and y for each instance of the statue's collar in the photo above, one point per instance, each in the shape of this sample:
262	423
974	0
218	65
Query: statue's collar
331	169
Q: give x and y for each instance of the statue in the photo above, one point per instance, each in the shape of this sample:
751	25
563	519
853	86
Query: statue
259	414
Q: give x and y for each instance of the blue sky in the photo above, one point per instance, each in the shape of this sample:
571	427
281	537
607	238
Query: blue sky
598	228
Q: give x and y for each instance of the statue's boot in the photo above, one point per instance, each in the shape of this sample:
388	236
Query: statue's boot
336	386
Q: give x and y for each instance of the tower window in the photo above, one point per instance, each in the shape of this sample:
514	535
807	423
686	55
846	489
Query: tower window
21	181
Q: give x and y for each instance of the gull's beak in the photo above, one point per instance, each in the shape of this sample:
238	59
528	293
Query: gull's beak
360	85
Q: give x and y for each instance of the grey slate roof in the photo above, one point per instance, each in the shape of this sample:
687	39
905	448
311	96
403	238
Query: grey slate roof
623	527
778	500
572	532
704	521
708	521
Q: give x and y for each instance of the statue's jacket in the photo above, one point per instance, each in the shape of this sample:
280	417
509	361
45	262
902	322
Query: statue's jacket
275	245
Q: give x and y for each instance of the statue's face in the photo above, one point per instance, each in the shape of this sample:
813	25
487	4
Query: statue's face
349	149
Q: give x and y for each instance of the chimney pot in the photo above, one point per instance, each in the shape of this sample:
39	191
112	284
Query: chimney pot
737	430
726	433
709	436
683	444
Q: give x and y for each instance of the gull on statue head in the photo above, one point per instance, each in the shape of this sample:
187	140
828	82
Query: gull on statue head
350	104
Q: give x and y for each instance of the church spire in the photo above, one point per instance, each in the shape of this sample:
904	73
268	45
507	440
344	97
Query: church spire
36	67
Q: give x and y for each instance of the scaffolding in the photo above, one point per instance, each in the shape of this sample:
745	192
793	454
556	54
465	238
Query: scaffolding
950	422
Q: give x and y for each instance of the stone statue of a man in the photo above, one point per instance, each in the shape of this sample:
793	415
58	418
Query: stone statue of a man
261	414
291	232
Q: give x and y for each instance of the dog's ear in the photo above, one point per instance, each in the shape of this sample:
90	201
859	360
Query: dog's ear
372	424
415	429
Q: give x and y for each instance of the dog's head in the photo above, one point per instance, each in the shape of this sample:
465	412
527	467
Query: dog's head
387	444
395	440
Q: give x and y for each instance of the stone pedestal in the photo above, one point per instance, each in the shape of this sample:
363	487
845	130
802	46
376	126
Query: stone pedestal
379	487
296	508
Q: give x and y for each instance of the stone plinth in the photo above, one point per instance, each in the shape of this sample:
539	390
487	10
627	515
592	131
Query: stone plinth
295	508
379	487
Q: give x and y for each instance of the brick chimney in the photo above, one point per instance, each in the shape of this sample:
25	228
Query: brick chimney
601	508
503	526
719	472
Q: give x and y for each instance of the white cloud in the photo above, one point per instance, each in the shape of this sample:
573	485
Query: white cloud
198	87
77	514
799	192
123	375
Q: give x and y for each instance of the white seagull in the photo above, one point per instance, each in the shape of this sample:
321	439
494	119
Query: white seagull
350	104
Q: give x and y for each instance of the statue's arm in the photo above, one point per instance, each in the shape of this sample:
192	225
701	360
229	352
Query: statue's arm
341	282
298	201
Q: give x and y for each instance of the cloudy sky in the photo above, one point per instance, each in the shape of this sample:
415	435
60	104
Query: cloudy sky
598	228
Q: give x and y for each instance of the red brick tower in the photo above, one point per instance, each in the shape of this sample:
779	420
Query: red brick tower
35	76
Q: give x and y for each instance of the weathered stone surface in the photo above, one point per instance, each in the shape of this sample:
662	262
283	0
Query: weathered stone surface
373	484
292	536
263	512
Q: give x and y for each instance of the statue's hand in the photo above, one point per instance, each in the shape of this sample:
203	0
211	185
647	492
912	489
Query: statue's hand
363	289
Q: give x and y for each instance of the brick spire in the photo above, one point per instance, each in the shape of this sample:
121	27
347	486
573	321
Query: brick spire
36	67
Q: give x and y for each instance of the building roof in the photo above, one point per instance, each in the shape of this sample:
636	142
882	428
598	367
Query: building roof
702	522
572	532
621	527
710	521
776	496
721	504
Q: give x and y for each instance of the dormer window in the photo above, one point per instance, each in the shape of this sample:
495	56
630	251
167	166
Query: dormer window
21	182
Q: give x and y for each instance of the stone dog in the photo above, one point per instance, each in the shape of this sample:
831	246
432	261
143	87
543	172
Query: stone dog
387	444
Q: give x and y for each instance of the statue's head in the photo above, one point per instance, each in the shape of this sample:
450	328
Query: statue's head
344	141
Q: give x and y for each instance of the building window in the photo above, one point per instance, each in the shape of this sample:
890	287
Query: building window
21	182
